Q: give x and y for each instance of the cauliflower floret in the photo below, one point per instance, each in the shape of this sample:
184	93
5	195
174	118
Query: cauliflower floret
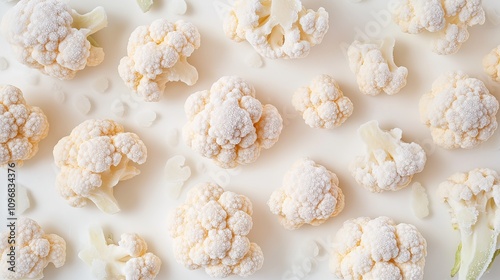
21	126
310	195
491	64
378	248
375	69
157	54
228	124
276	28
34	250
50	36
210	231
459	110
389	163
129	260
322	103
93	159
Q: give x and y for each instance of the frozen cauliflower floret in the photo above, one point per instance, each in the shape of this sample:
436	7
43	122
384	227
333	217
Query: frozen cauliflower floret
21	126
310	195
491	64
228	124
210	231
93	159
459	110
129	260
34	251
50	36
375	69
276	28
378	248
322	103
157	54
389	163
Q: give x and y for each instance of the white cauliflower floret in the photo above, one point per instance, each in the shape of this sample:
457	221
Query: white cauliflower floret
228	124
34	250
459	110
276	28
389	163
378	248
491	64
21	126
210	231
322	103
50	36
157	54
310	195
93	159
375	69
129	260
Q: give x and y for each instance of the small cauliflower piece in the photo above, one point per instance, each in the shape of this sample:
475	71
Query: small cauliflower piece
176	174
50	36
491	64
128	260
389	163
22	126
378	248
228	124
93	159
310	195
157	54
34	251
459	111
276	28
210	231
373	64
322	103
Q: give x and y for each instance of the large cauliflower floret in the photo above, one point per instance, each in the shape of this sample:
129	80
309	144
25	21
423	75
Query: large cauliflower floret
50	36
378	248
459	110
157	54
210	231
491	64
276	28
322	103
389	163
310	195
93	159
21	126
374	67
34	250
228	124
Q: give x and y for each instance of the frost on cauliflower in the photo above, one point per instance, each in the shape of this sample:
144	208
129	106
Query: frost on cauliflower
491	64
389	163
228	124
50	36
21	126
93	159
378	248
448	19
322	103
157	54
310	195
210	231
276	28
128	260
459	110
375	69
34	251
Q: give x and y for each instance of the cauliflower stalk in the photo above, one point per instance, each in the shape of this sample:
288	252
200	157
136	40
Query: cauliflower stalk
389	163
93	159
491	64
50	36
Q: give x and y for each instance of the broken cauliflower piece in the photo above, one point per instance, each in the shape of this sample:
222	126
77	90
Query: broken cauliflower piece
210	231
93	159
228	124
276	28
491	64
389	163
310	195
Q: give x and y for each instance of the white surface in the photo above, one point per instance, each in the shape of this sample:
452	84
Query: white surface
145	201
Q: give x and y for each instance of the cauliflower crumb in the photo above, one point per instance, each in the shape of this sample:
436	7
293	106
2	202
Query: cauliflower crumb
419	201
146	118
180	7
101	85
176	173
254	60
491	64
82	104
118	108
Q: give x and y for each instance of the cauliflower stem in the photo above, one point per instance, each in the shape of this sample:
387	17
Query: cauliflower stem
93	21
